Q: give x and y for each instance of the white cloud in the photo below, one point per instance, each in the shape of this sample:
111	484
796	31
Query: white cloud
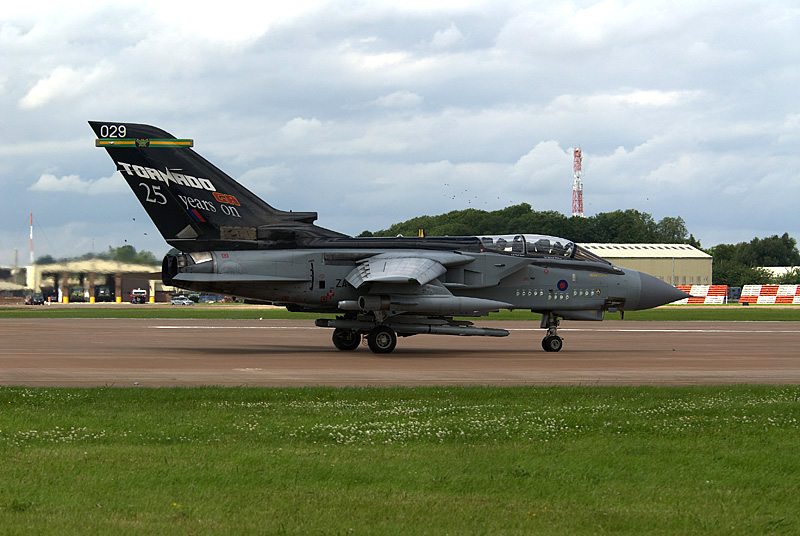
61	84
399	99
299	128
240	20
545	162
447	38
633	98
265	179
370	62
73	183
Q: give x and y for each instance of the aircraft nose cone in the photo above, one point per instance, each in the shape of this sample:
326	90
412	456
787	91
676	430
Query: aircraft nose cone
655	292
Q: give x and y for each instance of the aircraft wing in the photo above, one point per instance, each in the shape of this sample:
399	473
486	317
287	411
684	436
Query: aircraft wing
396	267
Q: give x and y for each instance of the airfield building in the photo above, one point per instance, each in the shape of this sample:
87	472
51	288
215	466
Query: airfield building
677	264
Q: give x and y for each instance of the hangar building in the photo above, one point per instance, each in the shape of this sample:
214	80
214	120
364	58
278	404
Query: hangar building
81	280
676	264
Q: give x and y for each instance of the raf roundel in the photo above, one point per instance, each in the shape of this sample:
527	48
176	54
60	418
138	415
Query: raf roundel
562	285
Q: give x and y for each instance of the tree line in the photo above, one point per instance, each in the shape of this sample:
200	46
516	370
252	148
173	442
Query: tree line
742	264
126	254
620	227
733	264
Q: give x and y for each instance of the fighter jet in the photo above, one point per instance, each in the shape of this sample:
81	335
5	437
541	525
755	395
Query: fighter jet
232	242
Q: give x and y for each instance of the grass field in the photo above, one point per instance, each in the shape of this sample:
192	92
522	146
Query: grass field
557	460
512	460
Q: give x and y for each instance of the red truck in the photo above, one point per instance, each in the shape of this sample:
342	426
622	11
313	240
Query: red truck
138	295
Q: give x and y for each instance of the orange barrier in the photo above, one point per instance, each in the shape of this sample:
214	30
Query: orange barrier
703	294
768	294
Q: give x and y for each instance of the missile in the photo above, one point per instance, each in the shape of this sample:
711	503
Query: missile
427	304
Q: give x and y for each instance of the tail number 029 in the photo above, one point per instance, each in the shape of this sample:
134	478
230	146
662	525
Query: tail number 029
112	131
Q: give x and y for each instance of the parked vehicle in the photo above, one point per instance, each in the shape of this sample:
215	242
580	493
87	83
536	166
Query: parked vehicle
77	293
181	300
103	293
36	299
138	295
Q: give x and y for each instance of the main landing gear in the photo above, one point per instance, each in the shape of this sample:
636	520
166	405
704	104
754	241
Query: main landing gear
381	339
381	333
346	339
551	342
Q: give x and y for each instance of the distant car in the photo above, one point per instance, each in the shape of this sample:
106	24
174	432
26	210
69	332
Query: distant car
181	300
36	299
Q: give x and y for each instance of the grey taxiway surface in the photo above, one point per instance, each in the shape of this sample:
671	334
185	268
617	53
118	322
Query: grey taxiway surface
122	352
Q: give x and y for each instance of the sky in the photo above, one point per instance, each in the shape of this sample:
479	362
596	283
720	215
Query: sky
372	113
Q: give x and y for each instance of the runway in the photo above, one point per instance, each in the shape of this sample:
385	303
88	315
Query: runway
123	352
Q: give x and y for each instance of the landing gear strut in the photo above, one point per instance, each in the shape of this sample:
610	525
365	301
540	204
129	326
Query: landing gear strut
551	342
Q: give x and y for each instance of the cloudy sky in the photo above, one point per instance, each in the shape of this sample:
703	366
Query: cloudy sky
372	113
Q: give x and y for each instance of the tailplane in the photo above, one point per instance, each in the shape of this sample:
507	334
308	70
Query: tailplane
194	204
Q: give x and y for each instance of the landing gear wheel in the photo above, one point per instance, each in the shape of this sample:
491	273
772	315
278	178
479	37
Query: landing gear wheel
382	340
346	339
552	343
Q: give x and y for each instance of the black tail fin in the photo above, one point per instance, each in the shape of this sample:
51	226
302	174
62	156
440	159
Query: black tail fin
194	204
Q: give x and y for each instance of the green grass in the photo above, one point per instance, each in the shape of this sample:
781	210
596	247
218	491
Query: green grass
672	313
688	313
153	311
555	460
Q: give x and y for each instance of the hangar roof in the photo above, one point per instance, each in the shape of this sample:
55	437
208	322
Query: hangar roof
8	285
100	266
778	271
647	251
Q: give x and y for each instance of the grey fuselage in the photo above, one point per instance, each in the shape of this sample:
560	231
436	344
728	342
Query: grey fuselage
317	280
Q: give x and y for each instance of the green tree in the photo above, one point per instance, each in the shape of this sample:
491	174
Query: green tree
772	251
694	242
735	274
623	226
126	254
723	253
791	277
46	259
129	254
671	231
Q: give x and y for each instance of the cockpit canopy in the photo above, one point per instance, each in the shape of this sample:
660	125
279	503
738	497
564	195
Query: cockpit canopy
533	245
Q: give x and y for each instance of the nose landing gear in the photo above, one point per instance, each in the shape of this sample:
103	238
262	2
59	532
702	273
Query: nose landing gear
551	342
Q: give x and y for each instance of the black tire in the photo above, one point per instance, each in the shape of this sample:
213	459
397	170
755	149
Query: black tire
382	340
346	339
552	343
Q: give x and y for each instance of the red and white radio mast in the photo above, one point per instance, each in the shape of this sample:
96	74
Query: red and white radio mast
31	237
577	185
